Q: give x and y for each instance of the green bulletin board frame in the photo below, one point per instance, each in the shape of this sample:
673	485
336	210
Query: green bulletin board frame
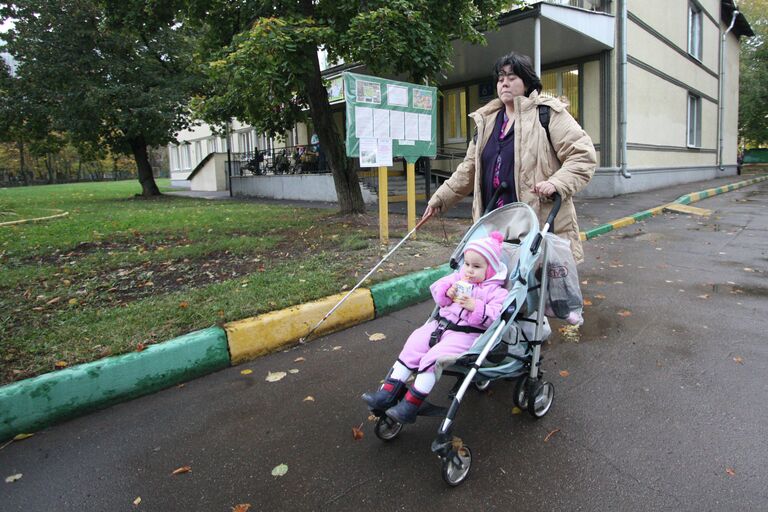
409	101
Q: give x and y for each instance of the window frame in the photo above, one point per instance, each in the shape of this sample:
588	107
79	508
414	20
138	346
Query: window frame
695	31
459	96
693	121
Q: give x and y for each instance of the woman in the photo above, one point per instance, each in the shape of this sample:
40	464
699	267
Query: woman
510	145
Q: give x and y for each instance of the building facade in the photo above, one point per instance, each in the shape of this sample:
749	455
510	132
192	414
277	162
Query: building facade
654	83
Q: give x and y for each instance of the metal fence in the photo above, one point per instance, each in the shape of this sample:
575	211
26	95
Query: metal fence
286	160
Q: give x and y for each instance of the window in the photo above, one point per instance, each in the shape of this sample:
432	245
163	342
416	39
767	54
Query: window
186	159
455	116
694	30
211	145
198	152
173	151
244	142
563	82
694	121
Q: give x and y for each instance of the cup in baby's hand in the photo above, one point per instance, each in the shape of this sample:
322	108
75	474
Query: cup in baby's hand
463	288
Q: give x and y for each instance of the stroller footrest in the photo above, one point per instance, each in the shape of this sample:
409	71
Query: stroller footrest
430	409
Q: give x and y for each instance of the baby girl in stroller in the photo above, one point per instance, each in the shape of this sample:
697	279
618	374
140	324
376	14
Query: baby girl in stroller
470	301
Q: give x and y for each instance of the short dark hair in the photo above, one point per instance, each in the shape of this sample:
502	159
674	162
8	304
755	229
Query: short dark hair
521	66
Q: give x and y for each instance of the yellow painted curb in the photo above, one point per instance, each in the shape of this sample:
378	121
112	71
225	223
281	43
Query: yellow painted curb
624	221
685	208
252	337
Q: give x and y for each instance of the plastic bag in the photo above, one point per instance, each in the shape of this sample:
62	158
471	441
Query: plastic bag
564	294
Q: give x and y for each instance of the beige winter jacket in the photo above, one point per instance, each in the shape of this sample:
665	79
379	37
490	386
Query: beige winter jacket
534	162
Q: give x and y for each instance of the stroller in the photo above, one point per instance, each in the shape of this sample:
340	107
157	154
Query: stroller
509	349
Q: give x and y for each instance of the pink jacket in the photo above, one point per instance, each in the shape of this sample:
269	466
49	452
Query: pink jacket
489	296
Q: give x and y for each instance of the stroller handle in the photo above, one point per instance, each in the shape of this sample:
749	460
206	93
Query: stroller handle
550	223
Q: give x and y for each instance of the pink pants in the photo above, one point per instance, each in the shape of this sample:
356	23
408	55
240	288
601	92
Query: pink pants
417	354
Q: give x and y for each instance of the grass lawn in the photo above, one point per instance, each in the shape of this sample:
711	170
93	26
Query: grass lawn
122	272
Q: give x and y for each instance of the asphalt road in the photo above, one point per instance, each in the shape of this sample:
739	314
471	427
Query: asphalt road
660	405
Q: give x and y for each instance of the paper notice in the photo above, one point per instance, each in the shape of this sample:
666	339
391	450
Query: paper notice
375	152
411	126
396	124
368	148
397	95
425	127
363	122
380	123
384	152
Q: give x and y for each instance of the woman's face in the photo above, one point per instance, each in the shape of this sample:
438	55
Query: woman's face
509	86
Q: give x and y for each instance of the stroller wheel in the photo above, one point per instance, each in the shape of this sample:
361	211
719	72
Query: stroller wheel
386	428
482	385
520	399
456	466
543	396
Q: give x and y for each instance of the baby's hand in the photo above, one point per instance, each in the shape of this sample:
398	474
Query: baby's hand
467	303
451	292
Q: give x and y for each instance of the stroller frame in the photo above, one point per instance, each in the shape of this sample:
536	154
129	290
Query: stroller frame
532	393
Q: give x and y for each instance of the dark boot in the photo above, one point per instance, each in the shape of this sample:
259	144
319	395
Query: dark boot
407	409
389	394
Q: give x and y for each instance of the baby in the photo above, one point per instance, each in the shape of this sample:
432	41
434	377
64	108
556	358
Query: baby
470	301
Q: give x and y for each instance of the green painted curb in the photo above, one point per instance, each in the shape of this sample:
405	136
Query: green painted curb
403	291
684	199
31	404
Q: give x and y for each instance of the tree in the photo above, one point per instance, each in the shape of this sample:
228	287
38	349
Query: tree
114	74
264	66
753	81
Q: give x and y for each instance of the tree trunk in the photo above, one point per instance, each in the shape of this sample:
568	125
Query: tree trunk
49	168
147	180
22	163
344	175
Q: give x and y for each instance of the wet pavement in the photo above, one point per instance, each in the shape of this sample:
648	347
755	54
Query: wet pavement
659	402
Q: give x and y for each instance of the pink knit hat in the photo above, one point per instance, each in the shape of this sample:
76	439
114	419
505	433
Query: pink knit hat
490	249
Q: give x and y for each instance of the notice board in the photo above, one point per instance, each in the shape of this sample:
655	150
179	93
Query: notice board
387	118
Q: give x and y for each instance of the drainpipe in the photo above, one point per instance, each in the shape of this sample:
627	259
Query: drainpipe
722	92
622	89
537	45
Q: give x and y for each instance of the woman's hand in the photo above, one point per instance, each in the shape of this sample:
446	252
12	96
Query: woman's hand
429	212
544	189
466	302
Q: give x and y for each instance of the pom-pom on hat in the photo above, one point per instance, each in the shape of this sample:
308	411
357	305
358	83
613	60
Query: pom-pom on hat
490	249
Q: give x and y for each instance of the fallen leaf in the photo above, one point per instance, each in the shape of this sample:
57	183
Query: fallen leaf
275	376
549	436
181	470
299	359
564	373
73	302
738	360
337	347
624	313
246	372
183	304
280	470
618	282
310	398
600	296
730	471
61	364
140	347
587	302
53	301
13	478
747	269
293	370
516	410
377	336
137	501
357	433
243	507
21	437
705	296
